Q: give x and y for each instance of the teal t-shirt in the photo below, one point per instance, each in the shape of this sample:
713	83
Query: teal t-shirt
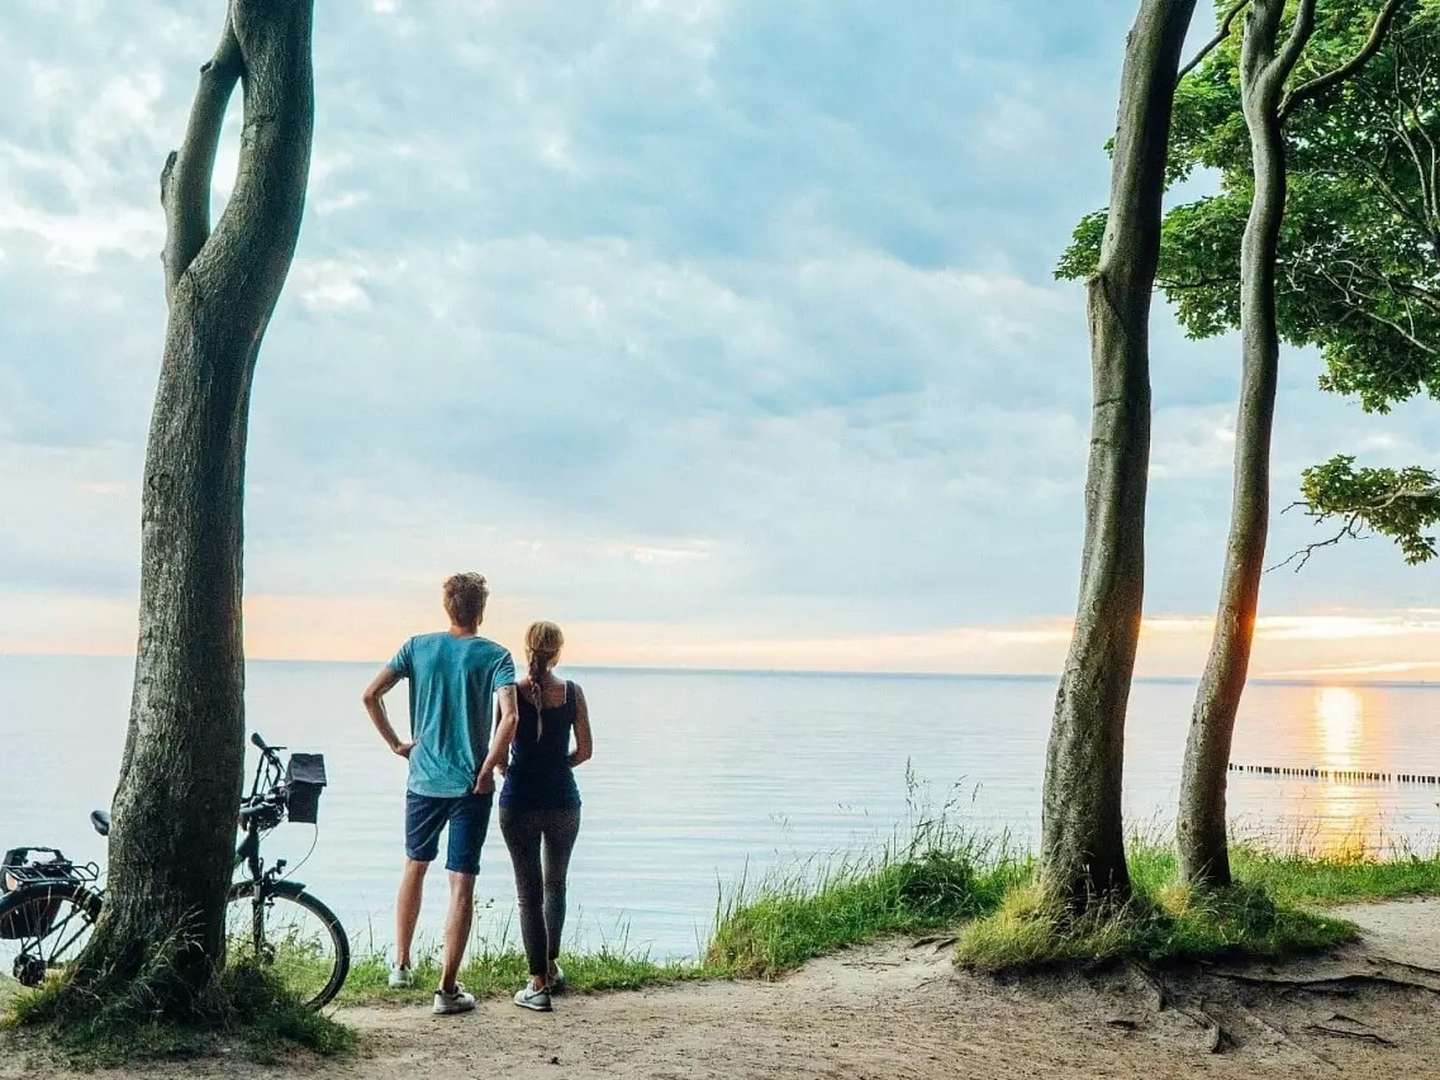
452	699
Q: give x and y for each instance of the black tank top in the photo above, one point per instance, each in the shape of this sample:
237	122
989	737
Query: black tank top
540	776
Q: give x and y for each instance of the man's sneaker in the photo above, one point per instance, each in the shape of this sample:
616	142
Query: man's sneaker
401	978
557	979
448	1002
538	1000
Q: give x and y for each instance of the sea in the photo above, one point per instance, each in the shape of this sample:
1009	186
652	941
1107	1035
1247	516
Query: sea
706	782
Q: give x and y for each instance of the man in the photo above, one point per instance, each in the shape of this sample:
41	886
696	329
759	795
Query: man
455	677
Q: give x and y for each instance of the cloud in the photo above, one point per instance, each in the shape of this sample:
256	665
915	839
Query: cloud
721	316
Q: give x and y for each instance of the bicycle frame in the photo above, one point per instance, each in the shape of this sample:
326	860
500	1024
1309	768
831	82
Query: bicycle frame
259	814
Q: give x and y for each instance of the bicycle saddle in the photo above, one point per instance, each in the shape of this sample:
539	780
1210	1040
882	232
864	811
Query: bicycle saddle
101	820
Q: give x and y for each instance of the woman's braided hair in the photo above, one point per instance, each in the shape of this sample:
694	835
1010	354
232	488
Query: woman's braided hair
543	642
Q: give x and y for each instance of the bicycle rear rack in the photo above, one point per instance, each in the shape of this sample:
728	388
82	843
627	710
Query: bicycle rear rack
19	869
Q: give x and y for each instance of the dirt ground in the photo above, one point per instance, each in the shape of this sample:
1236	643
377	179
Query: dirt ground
899	1010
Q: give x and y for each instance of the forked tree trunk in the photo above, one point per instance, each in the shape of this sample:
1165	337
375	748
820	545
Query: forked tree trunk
171	848
1082	843
1266	64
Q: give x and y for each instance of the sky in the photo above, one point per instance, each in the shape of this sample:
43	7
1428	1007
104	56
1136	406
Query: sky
722	332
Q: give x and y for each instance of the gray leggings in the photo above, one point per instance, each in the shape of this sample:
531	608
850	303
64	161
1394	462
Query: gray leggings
540	890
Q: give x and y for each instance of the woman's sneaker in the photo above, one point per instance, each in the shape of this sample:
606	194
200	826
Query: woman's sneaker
538	1000
448	1002
557	983
401	978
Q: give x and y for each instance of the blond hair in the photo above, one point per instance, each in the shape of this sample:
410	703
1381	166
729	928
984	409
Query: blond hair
543	642
465	597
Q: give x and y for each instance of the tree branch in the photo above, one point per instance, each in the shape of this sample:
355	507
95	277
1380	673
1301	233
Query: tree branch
1351	529
185	180
1300	33
1308	90
1214	43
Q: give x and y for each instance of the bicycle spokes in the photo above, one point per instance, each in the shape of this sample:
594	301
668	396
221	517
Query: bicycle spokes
43	929
295	941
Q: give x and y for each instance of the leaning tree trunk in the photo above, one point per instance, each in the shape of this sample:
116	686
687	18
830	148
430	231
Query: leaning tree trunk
1082	843
1201	828
171	849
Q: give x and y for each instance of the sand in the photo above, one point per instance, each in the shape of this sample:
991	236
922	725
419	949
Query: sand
899	1009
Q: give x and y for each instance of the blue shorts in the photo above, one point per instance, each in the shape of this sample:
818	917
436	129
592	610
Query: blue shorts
468	817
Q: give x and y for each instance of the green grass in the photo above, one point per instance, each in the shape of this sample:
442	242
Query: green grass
936	880
1276	908
253	1014
933	882
1345	877
498	971
940	879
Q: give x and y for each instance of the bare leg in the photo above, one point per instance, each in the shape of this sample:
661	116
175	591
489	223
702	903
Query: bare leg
407	908
457	926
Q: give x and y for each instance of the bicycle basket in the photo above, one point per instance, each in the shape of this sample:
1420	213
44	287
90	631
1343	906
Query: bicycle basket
304	781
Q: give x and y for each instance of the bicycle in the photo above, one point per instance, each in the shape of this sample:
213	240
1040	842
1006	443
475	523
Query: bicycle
49	905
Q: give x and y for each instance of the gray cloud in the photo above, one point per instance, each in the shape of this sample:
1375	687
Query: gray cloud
726	312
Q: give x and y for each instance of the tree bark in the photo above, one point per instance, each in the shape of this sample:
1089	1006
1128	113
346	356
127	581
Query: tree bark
171	848
1265	65
1082	843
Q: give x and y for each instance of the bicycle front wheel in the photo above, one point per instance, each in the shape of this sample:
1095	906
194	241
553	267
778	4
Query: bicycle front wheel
290	934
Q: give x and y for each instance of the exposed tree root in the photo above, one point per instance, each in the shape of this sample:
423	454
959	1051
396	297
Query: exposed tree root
1342	985
1342	1033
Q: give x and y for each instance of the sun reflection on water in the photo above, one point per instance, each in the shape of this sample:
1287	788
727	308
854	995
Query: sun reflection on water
1345	809
1341	712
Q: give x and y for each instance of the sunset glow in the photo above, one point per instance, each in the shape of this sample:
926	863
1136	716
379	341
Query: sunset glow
1350	647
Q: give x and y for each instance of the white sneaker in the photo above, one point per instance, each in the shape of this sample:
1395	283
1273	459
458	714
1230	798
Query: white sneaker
538	1000
401	978
458	1000
556	981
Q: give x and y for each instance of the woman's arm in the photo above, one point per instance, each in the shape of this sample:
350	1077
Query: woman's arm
584	740
499	742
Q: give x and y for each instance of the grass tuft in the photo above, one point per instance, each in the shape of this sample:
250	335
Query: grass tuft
935	879
1269	912
499	970
253	1013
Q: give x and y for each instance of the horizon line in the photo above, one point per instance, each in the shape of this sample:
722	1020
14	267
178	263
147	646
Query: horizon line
974	676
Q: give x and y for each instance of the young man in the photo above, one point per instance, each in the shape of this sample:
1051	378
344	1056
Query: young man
455	677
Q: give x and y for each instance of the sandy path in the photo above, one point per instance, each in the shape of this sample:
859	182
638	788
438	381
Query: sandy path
899	1010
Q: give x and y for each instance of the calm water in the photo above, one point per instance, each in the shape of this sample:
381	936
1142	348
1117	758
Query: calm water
701	778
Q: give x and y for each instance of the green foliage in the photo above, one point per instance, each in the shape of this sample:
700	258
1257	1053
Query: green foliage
1359	269
1399	503
1357	274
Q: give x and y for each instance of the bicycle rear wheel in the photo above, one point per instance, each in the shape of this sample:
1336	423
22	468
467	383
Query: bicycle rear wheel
43	928
290	934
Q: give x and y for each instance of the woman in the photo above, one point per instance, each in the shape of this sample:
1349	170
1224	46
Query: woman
540	804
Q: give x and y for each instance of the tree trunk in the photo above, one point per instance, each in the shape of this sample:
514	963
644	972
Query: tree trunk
1201	826
172	845
1082	844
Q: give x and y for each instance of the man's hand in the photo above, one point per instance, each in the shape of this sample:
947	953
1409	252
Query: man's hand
402	749
485	782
